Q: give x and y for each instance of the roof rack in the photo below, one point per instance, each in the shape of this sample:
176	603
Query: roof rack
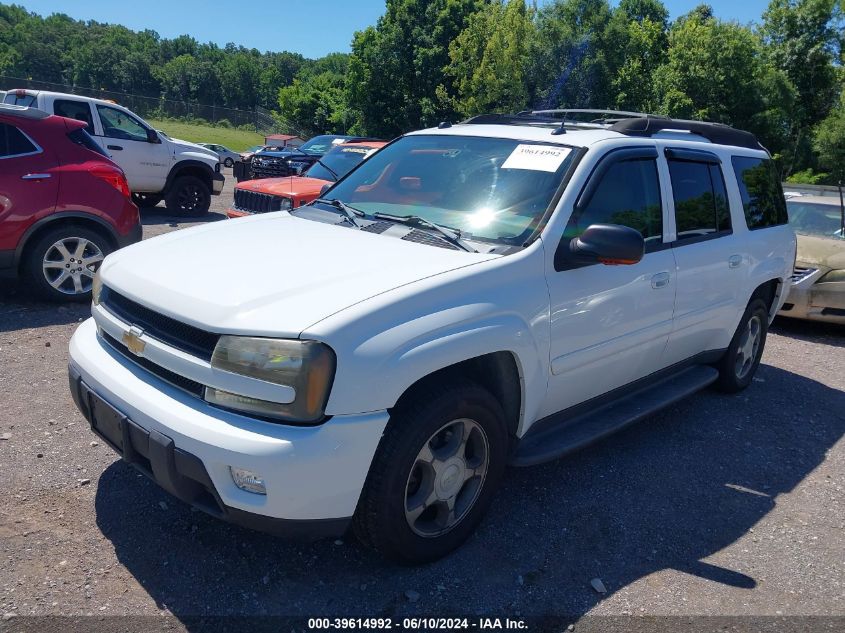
623	122
717	133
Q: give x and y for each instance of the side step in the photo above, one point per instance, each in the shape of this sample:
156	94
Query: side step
556	438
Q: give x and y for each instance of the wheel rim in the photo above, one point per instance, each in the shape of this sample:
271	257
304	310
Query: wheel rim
190	197
446	477
749	346
69	265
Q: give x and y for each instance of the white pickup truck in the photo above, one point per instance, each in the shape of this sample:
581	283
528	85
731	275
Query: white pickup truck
157	167
502	291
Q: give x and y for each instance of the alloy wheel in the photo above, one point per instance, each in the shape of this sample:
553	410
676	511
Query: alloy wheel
69	265
749	345
446	478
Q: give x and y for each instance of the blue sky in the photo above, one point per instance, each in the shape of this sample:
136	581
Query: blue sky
310	27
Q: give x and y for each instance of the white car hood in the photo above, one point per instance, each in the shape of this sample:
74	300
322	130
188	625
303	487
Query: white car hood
272	274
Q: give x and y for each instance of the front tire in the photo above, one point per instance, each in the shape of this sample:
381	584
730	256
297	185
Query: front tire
229	163
740	362
62	263
188	196
434	474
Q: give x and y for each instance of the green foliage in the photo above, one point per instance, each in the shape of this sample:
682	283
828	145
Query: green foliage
809	177
829	142
200	132
489	57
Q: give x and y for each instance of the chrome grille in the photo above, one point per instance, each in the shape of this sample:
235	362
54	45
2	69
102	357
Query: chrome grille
799	273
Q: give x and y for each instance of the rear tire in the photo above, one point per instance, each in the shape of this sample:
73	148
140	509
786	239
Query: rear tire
188	196
228	163
434	475
60	266
739	364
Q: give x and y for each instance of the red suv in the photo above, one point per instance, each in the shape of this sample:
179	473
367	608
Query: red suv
64	205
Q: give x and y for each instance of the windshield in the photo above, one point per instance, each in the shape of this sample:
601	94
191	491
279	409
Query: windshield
321	144
813	218
339	160
488	188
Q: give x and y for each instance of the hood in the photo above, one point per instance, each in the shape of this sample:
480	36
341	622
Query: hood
272	274
821	252
192	148
284	153
288	186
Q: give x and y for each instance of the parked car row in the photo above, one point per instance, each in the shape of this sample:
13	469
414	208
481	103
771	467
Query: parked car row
157	167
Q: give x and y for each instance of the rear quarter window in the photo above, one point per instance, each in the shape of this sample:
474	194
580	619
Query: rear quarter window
762	196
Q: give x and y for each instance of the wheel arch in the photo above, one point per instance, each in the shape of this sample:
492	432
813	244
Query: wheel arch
64	218
498	372
189	167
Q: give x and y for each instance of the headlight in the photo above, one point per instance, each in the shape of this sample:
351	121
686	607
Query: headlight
307	366
96	288
285	204
832	276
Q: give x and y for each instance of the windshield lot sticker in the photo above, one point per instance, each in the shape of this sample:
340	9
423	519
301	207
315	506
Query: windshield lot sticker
536	157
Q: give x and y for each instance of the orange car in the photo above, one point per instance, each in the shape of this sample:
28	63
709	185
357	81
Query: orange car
279	194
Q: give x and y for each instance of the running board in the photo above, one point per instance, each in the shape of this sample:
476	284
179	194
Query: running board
557	438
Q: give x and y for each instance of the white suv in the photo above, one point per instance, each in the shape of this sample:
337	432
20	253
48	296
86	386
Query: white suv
502	291
157	167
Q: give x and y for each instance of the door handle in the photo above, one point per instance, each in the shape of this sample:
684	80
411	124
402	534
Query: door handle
660	280
35	176
734	261
117	147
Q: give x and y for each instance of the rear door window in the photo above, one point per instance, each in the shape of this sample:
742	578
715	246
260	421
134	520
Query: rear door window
701	201
761	192
13	142
78	110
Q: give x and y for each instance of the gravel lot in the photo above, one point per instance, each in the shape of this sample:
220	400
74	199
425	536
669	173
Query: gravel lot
720	505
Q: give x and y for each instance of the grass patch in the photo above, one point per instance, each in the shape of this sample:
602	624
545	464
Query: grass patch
234	139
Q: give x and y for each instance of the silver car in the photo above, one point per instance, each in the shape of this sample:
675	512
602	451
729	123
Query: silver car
227	156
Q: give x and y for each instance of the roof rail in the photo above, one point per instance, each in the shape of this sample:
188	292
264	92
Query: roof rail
23	111
717	133
616	114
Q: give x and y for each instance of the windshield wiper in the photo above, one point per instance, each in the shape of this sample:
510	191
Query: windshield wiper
329	169
453	236
351	213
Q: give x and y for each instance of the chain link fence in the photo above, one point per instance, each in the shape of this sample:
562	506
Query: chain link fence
260	120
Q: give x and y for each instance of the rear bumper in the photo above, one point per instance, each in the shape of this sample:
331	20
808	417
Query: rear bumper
313	475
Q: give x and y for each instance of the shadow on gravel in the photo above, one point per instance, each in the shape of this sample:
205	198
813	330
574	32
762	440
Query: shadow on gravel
155	216
664	494
19	310
812	331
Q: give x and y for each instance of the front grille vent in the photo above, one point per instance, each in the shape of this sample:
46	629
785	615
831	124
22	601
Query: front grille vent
182	336
377	227
255	202
186	384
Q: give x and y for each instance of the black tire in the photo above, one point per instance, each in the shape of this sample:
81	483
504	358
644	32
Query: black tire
188	196
739	364
380	520
44	248
229	163
146	200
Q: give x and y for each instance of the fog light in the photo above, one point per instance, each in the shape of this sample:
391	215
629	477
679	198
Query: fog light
248	480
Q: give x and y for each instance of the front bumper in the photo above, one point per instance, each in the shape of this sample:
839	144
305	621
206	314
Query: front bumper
217	182
815	301
313	475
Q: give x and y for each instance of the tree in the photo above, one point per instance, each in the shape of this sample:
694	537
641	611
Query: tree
716	71
644	47
829	142
397	68
489	58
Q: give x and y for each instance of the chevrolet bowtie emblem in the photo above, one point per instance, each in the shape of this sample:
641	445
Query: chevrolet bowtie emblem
133	342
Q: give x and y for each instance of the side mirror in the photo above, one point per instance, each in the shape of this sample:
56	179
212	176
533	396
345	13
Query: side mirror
324	189
611	244
152	137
